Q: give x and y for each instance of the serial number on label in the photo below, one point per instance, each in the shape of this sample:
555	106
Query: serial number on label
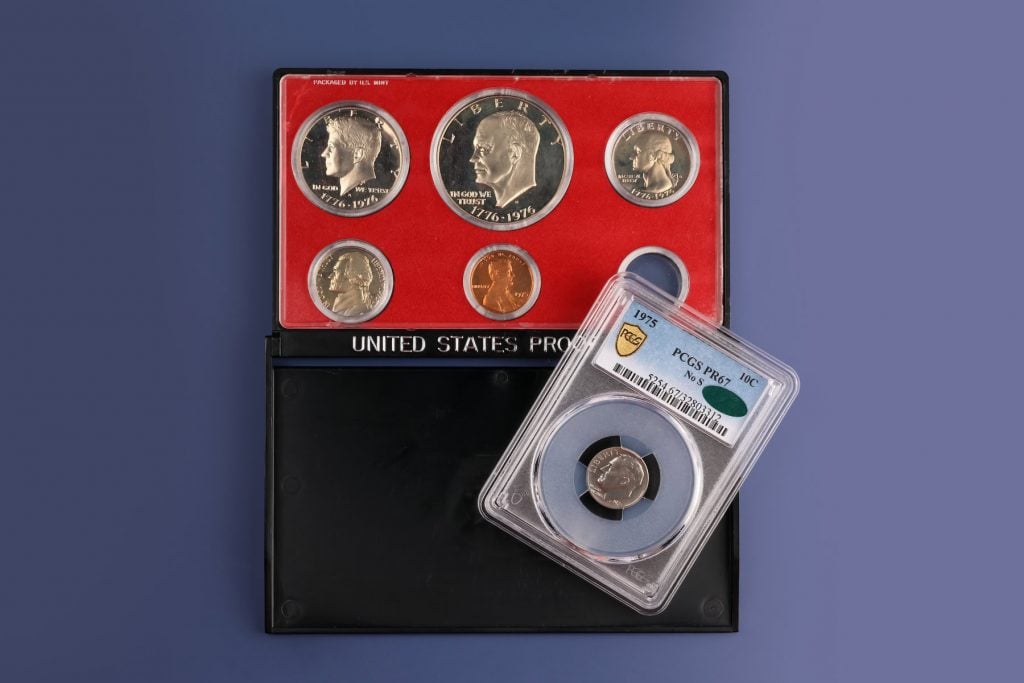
659	387
688	406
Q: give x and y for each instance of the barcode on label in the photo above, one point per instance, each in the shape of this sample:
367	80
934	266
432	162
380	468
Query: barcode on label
687	408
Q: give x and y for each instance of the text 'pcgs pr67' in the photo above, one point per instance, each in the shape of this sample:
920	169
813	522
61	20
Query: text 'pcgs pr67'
638	443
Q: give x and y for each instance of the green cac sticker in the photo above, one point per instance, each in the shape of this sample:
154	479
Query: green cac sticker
724	400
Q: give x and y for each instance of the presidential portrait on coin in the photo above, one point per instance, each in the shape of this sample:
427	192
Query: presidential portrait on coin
499	296
617	478
505	155
652	159
350	281
502	282
350	158
352	148
501	159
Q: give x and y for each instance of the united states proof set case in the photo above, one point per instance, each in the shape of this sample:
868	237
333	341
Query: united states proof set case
638	443
440	237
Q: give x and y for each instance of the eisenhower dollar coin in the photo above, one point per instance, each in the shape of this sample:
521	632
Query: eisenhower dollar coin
652	159
350	281
350	158
501	159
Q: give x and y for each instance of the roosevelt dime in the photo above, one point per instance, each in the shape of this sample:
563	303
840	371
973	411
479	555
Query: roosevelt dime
350	158
350	281
652	159
501	159
501	281
617	477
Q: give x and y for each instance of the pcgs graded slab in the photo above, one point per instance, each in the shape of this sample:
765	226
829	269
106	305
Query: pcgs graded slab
638	443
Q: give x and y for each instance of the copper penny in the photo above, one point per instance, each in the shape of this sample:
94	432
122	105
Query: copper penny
502	282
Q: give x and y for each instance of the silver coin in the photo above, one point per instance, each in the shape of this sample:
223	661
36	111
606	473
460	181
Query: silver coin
350	158
617	477
652	159
350	281
501	159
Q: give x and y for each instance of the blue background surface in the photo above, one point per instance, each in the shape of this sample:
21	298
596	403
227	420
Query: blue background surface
876	234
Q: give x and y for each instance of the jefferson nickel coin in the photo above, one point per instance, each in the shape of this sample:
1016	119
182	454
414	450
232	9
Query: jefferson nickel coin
652	159
350	158
617	477
501	159
350	281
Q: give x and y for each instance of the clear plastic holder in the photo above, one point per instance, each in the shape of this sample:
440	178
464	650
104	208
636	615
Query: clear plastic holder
638	443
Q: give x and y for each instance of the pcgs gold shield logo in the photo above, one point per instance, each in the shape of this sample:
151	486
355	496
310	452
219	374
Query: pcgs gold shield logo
629	340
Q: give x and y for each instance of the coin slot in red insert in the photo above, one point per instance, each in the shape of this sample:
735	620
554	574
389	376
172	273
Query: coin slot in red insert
576	246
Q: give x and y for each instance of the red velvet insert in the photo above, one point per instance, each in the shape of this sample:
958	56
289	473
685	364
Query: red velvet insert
577	246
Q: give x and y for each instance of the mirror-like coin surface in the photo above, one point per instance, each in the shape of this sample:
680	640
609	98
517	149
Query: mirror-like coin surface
502	282
652	159
501	159
617	477
350	158
350	281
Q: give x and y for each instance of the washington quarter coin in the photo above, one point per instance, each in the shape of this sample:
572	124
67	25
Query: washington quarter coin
350	158
502	282
350	281
652	159
501	159
617	477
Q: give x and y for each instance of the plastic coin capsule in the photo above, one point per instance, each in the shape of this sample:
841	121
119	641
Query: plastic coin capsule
638	443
